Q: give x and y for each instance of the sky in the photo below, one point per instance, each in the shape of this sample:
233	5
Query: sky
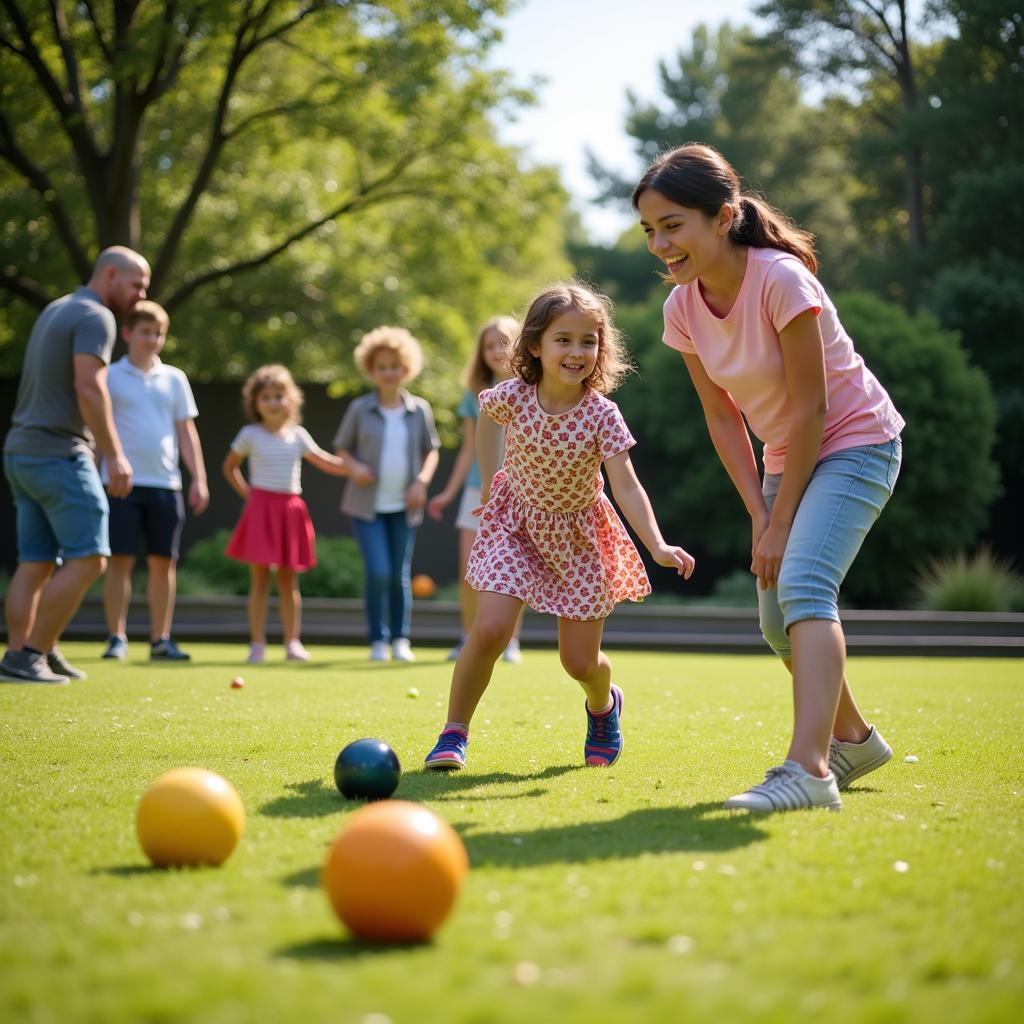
590	52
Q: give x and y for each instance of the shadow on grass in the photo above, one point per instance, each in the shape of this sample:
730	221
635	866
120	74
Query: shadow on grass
127	870
343	948
434	785
702	827
310	799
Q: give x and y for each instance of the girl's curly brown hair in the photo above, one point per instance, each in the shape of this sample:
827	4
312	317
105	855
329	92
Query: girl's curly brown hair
612	361
273	375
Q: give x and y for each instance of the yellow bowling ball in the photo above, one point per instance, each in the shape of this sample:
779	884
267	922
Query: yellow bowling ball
189	816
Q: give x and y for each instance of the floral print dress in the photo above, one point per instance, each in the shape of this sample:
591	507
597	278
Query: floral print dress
548	534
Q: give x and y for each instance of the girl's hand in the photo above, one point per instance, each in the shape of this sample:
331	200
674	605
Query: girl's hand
362	474
674	558
437	504
769	548
416	495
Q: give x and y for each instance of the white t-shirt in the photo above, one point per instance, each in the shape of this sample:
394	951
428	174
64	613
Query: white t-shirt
393	472
148	405
275	460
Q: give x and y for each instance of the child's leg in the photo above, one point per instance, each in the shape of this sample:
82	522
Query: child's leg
400	539
467	595
117	593
496	616
290	603
579	647
259	589
160	591
372	539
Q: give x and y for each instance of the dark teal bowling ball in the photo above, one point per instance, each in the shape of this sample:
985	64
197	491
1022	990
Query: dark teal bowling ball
367	770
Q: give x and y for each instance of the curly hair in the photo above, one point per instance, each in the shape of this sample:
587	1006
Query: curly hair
273	375
389	339
612	364
478	374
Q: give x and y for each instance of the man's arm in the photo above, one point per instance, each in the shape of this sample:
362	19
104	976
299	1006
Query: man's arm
94	403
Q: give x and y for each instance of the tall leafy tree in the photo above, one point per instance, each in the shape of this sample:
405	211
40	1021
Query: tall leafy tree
280	162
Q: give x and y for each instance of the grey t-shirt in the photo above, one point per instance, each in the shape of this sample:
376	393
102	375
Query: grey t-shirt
47	420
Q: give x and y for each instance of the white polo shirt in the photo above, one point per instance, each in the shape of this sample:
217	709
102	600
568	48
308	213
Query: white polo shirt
148	405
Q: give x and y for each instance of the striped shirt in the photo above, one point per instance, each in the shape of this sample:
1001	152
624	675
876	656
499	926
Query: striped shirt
275	460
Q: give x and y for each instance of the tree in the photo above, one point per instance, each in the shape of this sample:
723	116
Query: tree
261	154
850	43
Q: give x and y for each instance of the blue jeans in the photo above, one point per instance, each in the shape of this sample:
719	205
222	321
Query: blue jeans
386	543
61	507
845	495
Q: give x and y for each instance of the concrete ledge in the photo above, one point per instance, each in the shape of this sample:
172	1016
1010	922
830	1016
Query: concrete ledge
662	627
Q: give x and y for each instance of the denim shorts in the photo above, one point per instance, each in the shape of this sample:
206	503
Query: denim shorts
845	495
61	507
154	513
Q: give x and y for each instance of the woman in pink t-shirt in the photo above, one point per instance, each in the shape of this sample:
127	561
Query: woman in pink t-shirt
762	341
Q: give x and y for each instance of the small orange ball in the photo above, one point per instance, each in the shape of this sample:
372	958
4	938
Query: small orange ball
423	586
394	872
189	816
237	683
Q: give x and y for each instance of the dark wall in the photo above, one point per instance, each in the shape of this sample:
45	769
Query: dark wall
220	418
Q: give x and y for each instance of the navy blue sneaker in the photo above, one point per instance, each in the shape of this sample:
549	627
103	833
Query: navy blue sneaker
117	648
604	735
167	650
449	751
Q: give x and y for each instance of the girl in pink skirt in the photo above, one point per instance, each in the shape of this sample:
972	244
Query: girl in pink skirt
548	535
275	531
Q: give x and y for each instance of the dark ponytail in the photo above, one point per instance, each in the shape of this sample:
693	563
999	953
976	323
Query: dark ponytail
699	177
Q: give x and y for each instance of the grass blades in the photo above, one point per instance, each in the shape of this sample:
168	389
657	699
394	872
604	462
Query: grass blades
624	894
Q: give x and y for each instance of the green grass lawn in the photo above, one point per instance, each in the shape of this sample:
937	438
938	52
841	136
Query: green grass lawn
594	895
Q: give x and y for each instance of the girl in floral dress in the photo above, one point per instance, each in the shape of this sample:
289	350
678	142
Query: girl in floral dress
548	536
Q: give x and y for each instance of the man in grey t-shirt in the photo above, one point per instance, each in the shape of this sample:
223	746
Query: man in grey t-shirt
63	410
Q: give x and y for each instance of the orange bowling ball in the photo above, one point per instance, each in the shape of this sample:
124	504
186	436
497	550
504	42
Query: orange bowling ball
423	586
189	816
394	872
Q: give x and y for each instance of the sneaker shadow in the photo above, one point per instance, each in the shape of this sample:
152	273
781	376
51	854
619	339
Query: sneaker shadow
702	827
425	784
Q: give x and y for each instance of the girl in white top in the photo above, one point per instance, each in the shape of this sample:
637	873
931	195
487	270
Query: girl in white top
274	531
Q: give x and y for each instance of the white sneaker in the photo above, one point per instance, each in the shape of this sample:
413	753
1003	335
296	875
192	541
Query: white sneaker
788	787
294	651
257	654
401	651
379	651
512	653
849	761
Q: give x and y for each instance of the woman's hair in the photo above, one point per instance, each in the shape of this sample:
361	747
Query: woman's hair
699	177
274	375
612	361
478	374
396	340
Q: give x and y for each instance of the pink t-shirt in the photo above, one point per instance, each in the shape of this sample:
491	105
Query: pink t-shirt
742	354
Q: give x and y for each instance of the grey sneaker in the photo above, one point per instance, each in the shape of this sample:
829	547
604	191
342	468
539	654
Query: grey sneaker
788	787
28	667
849	761
60	665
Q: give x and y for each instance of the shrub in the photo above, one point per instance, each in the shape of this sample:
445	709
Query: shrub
737	589
207	570
982	583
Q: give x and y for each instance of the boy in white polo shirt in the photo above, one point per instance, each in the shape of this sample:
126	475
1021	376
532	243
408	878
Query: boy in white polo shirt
154	411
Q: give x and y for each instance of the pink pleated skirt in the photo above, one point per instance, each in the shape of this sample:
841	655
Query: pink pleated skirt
275	529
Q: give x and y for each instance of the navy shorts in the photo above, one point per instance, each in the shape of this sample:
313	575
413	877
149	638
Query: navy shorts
154	513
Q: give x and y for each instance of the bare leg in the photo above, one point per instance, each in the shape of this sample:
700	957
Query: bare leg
467	595
819	657
60	599
850	725
579	647
290	603
22	601
117	593
495	619
160	593
259	590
